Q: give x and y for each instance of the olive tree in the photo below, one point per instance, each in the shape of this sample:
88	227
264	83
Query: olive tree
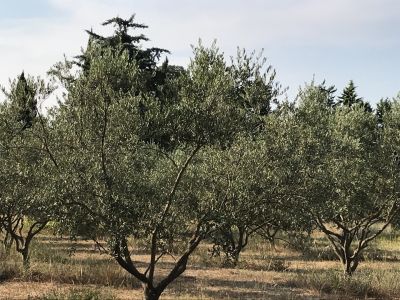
25	208
237	175
253	176
349	184
241	171
131	187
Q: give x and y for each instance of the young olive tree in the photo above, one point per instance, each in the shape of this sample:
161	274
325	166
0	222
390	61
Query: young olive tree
281	167
349	184
252	176
236	173
241	172
25	208
388	122
135	188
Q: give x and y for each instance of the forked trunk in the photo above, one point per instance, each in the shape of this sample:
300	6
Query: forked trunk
151	293
350	266
237	248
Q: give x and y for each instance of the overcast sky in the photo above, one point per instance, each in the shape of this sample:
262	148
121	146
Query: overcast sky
336	40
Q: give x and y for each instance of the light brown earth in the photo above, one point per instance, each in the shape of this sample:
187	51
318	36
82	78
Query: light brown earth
262	274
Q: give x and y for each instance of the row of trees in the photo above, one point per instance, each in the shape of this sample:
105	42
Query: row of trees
142	150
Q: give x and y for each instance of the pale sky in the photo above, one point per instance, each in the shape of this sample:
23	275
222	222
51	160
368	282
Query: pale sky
336	40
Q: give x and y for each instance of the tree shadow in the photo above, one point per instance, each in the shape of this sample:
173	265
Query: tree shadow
234	289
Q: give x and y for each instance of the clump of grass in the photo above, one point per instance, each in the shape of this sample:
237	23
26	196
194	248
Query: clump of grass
53	263
203	258
385	282
78	294
99	272
374	254
320	253
379	284
42	252
274	264
278	265
9	270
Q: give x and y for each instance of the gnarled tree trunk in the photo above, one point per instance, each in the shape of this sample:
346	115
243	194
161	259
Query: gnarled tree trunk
151	293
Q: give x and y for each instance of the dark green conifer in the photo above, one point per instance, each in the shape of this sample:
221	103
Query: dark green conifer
383	106
122	40
157	77
350	98
25	102
329	91
349	95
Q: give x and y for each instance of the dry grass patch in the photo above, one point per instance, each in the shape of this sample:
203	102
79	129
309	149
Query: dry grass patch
85	273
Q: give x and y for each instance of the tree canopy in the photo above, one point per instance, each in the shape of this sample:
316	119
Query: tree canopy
141	151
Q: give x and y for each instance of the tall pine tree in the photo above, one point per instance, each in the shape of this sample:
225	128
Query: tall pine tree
159	80
349	98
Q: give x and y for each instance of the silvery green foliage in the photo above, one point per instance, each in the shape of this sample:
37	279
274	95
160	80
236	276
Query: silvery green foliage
25	204
348	183
126	187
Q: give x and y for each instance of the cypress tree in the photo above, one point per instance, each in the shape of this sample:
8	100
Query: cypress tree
25	102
